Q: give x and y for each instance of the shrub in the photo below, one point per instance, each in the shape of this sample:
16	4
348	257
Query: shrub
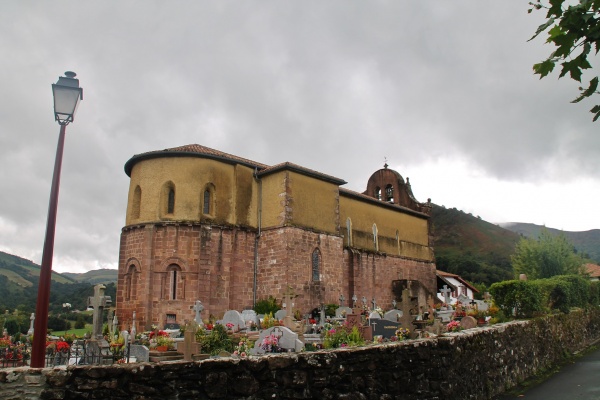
80	323
267	306
522	299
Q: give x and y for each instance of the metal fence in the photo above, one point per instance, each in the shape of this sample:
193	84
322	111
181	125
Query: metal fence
82	352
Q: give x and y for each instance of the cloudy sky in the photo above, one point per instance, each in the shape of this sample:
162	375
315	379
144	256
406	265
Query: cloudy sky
443	91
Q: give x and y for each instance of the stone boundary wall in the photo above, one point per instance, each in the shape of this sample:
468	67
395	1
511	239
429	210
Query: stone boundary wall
473	364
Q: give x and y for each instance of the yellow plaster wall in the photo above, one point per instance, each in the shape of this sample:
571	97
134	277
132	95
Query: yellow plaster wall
412	230
314	203
273	199
290	198
190	176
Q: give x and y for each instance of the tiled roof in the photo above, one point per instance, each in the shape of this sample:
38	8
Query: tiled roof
352	193
196	150
301	169
593	270
443	274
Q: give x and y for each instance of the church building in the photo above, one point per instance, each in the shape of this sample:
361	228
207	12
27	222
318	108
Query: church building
205	225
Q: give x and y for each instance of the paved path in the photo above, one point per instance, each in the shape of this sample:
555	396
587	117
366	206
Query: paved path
579	380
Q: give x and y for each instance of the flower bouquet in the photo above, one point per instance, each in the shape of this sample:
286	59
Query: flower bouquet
453	326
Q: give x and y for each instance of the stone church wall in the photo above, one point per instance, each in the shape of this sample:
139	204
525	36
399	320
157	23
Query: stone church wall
474	364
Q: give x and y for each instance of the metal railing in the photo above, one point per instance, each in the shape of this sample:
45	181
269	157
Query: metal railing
82	352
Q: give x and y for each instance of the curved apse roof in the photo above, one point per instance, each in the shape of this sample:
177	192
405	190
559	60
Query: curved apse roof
196	150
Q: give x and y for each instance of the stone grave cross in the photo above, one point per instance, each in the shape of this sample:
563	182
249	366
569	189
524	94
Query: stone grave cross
133	328
364	301
32	318
445	291
394	303
342	299
288	300
374	303
115	325
198	308
98	301
354	298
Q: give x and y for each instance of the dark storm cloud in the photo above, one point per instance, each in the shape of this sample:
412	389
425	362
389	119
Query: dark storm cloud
335	86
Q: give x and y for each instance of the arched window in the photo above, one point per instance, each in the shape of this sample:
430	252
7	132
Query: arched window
167	200
172	282
349	231
389	193
375	238
206	202
377	193
130	283
136	203
171	202
316	265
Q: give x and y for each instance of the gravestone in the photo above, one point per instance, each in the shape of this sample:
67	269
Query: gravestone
464	300
354	299
406	319
445	291
341	312
140	352
288	340
250	316
189	341
468	322
198	308
133	328
32	318
280	314
481	305
235	318
98	301
385	328
374	315
392	315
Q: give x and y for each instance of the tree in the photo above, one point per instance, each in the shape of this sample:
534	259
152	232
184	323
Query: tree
574	30
546	256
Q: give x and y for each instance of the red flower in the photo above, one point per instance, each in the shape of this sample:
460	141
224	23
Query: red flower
62	346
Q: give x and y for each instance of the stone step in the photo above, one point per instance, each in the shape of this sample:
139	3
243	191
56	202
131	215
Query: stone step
171	355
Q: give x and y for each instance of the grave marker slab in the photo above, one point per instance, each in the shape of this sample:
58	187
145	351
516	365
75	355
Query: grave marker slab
342	312
235	318
385	328
393	315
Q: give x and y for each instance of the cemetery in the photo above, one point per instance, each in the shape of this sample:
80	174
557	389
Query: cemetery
356	346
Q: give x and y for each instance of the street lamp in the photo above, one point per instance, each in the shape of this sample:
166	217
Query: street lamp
67	94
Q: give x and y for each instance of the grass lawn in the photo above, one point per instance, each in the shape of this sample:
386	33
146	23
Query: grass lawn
77	332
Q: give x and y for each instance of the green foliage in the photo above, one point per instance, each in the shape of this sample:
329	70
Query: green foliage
267	306
214	341
57	323
528	298
12	326
548	255
522	299
342	336
80	322
330	309
573	28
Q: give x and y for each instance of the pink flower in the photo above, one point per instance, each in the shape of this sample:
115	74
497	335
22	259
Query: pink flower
243	354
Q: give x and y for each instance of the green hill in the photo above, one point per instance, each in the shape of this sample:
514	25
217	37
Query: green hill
586	243
471	247
94	277
19	280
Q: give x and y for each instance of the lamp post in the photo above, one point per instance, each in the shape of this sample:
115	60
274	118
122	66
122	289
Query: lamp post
67	94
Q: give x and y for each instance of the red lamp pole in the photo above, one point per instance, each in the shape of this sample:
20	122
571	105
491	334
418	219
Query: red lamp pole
67	94
40	327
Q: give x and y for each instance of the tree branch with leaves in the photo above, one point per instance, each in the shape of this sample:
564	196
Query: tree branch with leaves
574	29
